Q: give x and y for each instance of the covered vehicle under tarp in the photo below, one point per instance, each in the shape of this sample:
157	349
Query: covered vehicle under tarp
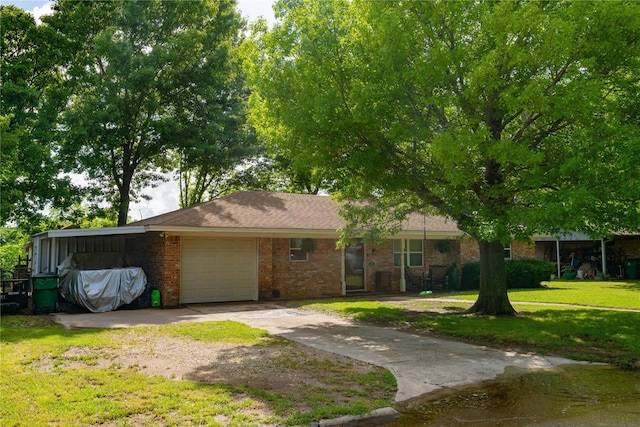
99	281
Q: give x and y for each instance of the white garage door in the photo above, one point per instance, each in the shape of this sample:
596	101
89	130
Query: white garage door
215	270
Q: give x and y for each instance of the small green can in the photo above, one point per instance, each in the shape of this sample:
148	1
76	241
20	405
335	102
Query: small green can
155	298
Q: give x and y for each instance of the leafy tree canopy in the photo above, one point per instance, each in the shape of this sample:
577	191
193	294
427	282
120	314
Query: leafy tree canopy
512	118
29	179
146	79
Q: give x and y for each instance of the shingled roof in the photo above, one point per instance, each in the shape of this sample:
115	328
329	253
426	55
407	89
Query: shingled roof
258	210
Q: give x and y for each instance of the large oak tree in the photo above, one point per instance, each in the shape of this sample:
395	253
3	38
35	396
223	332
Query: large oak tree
510	117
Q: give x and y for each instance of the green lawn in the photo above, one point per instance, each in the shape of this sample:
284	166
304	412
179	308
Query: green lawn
42	386
581	333
612	294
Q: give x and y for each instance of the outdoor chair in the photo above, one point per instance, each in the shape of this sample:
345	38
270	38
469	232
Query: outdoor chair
415	282
437	277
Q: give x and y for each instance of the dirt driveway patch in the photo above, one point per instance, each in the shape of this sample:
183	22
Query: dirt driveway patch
291	370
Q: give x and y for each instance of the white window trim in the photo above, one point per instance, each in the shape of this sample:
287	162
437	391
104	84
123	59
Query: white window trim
508	248
407	253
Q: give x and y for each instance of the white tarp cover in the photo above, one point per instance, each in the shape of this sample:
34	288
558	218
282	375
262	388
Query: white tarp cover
100	290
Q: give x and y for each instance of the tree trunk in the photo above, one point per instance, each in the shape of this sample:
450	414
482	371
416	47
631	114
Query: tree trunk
493	299
123	204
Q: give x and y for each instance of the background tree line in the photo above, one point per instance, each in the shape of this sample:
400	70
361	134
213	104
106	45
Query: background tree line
105	99
512	118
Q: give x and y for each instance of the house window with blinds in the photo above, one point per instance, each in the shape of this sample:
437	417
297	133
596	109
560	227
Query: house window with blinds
413	253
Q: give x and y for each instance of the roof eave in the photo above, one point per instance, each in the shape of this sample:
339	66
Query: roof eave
85	232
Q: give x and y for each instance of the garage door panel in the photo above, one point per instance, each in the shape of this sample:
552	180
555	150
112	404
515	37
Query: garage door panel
216	270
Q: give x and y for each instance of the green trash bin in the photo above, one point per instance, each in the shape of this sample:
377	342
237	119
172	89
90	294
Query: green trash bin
45	293
632	267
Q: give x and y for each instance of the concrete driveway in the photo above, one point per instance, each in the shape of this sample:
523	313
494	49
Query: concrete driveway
420	364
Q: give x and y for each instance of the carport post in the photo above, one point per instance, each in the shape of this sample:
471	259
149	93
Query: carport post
403	283
603	247
558	255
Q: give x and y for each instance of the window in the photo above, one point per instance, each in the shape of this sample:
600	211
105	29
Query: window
298	250
507	252
413	253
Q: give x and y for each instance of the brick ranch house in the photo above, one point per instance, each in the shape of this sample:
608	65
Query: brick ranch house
256	245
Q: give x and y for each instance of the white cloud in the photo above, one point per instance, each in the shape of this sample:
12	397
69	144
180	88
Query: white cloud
46	9
164	199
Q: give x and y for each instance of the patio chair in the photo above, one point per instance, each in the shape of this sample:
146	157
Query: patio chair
415	282
437	277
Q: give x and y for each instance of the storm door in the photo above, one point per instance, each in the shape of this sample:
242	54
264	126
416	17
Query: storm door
354	267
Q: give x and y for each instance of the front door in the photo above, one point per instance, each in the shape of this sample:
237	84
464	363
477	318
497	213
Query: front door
354	267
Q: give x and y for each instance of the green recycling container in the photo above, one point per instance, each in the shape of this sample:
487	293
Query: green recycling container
632	266
45	293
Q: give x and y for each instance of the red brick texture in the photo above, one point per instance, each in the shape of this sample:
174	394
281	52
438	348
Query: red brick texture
519	250
159	257
319	276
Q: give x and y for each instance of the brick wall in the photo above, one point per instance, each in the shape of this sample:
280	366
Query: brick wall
319	276
469	250
170	282
159	257
265	268
523	250
382	260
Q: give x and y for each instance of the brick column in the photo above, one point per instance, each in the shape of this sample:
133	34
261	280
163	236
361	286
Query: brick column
265	267
165	256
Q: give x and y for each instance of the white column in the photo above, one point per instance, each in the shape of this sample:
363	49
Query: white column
343	274
558	255
403	283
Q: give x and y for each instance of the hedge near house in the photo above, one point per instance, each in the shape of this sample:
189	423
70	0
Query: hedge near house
520	274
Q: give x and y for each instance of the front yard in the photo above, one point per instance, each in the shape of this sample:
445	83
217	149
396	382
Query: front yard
204	374
582	320
226	373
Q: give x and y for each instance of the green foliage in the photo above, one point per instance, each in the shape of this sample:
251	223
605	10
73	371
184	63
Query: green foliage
503	116
12	242
29	106
520	274
470	276
143	79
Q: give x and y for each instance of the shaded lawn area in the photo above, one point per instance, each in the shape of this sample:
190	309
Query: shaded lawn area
578	333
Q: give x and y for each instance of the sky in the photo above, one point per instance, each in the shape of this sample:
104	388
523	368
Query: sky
164	197
250	9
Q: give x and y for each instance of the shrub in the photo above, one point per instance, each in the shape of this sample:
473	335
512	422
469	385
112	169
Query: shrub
470	276
520	274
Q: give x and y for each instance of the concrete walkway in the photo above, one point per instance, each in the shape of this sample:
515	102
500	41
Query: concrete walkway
420	364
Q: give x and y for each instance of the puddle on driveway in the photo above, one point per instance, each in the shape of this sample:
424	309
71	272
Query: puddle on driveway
570	395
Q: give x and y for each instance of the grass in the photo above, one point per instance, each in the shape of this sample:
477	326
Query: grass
224	332
610	294
580	333
43	392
